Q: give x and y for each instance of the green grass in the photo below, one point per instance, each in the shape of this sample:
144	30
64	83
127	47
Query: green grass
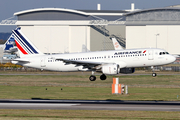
141	87
87	93
86	114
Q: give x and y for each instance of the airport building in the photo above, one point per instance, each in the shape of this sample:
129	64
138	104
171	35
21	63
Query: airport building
57	30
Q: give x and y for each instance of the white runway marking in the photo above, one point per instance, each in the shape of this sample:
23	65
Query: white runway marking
35	104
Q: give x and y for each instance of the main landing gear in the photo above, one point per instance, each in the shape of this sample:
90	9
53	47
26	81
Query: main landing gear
103	77
153	74
93	78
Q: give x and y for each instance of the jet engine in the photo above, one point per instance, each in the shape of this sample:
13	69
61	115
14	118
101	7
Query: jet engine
110	69
127	70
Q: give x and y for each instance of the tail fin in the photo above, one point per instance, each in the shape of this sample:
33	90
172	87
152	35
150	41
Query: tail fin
116	44
25	47
9	45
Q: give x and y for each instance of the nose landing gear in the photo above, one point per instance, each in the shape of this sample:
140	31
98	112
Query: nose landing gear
153	74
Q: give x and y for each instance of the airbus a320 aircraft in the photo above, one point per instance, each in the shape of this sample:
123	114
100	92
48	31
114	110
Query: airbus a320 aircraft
108	62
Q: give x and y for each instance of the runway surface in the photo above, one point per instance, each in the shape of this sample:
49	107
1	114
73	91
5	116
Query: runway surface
90	105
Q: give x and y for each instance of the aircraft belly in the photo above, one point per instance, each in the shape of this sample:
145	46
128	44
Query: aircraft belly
61	67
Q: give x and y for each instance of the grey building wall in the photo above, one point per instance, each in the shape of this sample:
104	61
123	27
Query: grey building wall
101	39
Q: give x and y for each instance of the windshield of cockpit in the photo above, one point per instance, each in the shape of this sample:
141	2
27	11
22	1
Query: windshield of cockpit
163	53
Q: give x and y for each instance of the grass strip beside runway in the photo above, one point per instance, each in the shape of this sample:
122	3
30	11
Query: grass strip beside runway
86	114
87	93
141	87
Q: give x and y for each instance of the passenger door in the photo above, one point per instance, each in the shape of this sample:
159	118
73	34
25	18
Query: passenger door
43	62
150	54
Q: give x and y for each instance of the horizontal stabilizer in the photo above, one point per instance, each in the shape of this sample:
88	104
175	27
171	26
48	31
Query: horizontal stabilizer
21	60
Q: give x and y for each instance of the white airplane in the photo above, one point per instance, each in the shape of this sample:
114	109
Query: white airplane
108	62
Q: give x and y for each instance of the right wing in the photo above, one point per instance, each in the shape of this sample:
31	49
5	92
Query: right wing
85	64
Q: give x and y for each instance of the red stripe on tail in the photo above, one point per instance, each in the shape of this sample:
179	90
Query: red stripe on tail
20	48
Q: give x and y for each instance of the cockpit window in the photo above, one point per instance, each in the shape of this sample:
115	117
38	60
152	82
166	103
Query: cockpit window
163	53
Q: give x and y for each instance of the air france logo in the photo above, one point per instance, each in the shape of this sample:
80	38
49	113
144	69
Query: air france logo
131	52
144	51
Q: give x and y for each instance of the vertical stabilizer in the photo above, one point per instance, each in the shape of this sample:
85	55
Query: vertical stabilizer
116	44
24	45
9	45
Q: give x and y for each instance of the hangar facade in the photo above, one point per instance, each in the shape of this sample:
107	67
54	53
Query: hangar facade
156	28
55	30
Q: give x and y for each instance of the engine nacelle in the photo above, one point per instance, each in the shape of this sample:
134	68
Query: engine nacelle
111	69
127	70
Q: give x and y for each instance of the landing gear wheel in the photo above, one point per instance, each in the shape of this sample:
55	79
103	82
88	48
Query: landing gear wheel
154	74
103	77
92	78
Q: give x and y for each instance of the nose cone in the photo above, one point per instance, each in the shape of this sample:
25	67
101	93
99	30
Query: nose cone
172	59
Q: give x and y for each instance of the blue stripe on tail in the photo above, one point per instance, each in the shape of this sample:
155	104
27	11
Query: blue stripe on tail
25	43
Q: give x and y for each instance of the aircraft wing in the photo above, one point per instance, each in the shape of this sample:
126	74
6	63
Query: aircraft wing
85	64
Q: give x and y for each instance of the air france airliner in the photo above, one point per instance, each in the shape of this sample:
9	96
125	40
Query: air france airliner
107	62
